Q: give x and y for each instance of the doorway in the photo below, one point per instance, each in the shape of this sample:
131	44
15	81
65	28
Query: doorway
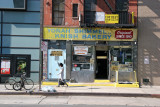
102	65
56	56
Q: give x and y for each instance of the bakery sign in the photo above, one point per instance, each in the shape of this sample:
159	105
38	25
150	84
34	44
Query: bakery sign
123	34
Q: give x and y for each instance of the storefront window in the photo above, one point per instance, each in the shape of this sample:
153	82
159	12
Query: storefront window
124	58
122	61
82	58
5	65
21	65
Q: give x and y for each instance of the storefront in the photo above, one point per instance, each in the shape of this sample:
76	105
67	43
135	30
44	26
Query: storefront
91	53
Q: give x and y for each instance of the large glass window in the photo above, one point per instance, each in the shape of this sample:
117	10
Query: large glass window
13	4
89	11
122	61
58	12
82	58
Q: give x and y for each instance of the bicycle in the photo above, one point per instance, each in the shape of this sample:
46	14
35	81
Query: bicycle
9	84
23	83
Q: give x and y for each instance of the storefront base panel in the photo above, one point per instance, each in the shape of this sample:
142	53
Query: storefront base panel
134	85
80	84
82	76
101	81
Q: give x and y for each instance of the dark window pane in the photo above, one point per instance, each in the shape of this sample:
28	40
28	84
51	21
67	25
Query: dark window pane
55	14
61	21
61	14
87	7
55	7
122	5
58	12
61	7
75	10
55	21
12	4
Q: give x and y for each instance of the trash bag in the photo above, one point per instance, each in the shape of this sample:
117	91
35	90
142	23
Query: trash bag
48	89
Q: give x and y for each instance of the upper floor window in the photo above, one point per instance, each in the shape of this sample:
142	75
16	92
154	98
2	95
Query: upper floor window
89	11
75	10
122	5
13	4
58	12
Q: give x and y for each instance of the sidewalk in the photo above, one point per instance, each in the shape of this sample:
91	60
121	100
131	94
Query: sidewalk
144	91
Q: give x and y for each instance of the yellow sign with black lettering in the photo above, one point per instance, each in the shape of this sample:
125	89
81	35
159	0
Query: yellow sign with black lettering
56	53
112	18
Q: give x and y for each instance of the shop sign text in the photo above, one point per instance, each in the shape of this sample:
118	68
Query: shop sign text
80	50
90	34
124	34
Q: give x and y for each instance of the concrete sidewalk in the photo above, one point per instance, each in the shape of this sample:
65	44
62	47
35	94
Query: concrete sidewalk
144	91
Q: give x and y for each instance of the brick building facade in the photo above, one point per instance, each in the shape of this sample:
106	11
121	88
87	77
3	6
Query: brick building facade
92	38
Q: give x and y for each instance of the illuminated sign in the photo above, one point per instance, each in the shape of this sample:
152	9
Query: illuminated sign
111	18
5	66
85	34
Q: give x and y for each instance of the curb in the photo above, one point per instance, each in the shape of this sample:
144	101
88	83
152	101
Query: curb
82	94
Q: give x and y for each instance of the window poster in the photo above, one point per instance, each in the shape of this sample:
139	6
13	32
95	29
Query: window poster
80	50
100	16
146	59
5	66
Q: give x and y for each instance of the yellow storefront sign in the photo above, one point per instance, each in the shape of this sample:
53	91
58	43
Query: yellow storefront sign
111	18
89	34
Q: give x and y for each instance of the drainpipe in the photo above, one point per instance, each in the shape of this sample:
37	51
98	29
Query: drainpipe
41	36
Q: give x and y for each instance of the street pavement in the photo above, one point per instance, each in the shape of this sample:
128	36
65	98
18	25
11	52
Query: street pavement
75	101
82	96
144	91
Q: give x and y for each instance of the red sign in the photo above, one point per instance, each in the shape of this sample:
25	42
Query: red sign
5	66
124	34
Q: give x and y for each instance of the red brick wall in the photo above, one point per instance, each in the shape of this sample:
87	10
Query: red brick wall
47	12
70	21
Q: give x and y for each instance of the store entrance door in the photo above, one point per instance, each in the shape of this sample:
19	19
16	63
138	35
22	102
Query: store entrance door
102	65
56	56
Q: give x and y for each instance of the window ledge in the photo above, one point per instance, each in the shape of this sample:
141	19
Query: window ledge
75	17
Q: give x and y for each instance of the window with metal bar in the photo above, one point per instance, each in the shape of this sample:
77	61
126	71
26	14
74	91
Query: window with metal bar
58	12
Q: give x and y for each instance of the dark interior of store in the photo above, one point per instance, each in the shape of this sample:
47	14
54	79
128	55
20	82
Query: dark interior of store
102	65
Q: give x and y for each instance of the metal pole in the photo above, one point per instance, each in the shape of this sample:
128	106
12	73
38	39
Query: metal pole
117	77
41	36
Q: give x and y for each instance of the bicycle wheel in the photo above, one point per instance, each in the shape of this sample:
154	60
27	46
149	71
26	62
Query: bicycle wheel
28	84
9	84
17	86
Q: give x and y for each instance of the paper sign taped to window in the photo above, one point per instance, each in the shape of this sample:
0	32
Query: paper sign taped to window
80	50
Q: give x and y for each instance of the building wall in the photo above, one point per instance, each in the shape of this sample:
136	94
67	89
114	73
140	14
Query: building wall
133	7
74	22
47	12
149	41
20	34
70	21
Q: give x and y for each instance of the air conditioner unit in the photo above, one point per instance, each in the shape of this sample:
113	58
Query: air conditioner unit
79	19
